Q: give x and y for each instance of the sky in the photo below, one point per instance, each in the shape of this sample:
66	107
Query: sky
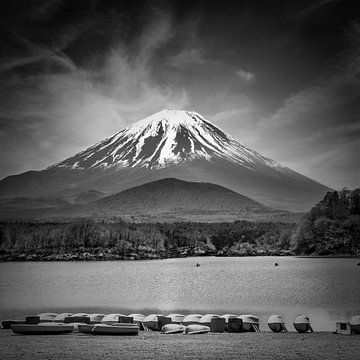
283	77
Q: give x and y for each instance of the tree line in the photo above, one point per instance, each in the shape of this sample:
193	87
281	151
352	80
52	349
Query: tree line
332	226
131	239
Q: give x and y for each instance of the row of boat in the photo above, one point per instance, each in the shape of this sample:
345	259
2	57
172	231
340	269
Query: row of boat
119	324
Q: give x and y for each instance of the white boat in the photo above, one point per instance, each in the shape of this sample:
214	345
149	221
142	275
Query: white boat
206	319
196	329
47	317
176	318
96	318
138	319
302	324
192	319
250	322
61	317
355	324
173	329
152	322
44	328
276	323
115	329
111	319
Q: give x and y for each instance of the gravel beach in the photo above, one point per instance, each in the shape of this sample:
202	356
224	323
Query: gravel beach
153	345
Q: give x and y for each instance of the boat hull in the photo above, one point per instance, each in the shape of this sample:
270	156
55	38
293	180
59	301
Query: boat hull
196	329
302	327
276	327
173	329
115	329
6	324
28	329
85	328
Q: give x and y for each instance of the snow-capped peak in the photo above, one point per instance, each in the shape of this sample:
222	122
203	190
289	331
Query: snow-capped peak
168	137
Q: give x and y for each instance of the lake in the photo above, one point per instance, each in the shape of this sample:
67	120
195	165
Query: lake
327	289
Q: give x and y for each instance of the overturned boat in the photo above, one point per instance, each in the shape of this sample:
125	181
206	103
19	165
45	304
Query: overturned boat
302	324
47	317
138	319
227	317
6	324
44	328
196	329
61	317
96	318
355	324
111	319
152	322
276	323
250	323
85	328
173	329
176	318
192	319
206	319
115	329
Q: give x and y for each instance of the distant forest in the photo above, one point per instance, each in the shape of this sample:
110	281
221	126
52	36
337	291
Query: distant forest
331	227
88	239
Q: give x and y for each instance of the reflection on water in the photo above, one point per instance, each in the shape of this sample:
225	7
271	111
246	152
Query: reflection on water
326	289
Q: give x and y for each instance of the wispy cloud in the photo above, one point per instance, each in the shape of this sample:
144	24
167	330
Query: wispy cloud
187	57
314	127
61	112
246	76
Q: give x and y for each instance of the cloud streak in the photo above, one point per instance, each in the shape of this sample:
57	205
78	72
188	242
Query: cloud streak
61	112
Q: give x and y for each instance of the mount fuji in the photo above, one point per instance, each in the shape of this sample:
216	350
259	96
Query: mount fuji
169	144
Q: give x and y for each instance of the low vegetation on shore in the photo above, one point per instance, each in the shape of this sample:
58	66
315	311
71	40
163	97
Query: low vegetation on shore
332	227
100	240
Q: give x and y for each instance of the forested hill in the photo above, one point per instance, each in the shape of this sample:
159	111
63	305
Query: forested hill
332	226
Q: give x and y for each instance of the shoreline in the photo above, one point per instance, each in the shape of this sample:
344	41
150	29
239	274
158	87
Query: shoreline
153	345
115	257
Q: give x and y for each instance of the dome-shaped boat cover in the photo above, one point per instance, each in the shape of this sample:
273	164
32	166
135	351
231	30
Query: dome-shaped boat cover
228	316
176	318
207	318
137	317
111	318
61	317
152	317
302	319
96	317
250	319
192	318
355	320
80	315
47	316
275	319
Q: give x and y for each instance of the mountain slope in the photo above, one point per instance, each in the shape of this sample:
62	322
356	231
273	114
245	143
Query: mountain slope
170	143
172	200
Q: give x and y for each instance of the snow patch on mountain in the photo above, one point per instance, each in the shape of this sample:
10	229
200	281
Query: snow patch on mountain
169	137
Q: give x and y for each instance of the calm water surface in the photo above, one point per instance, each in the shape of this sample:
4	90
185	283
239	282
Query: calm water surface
326	289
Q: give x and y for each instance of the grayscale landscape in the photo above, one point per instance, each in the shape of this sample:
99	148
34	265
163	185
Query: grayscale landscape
182	176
